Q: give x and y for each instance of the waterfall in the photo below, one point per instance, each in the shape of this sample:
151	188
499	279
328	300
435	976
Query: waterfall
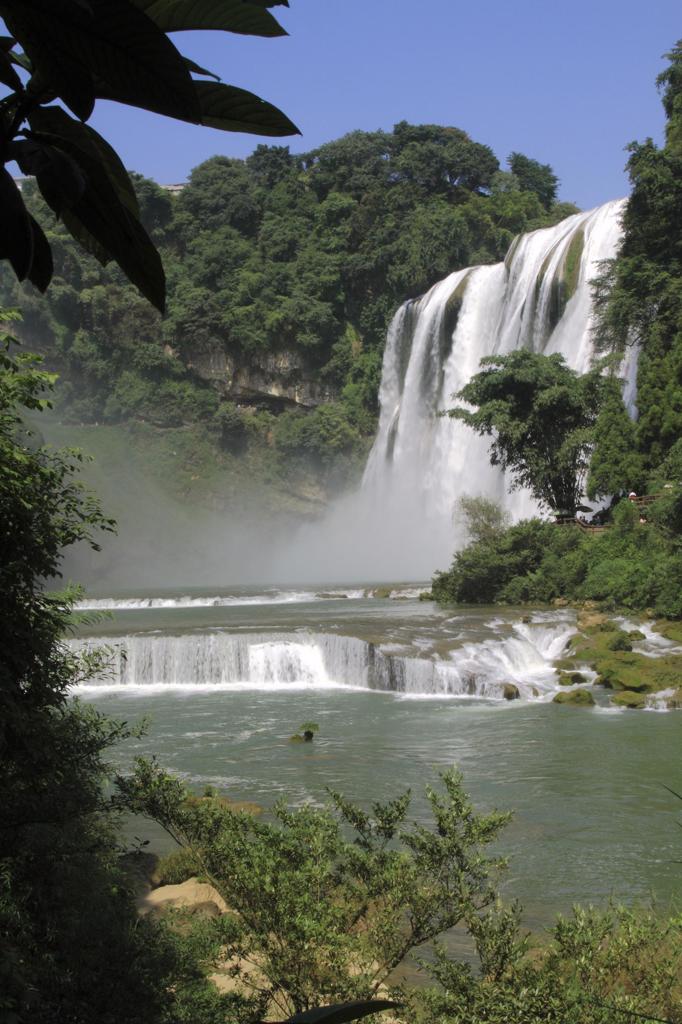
221	660
402	523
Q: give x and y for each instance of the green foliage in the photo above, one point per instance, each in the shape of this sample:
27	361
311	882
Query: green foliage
321	435
328	901
68	925
541	416
600	966
533	176
79	52
615	466
629	565
502	567
485	520
639	294
176	867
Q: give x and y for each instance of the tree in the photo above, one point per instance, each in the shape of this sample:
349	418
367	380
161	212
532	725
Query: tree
326	903
535	177
541	415
79	51
485	520
68	926
615	466
639	294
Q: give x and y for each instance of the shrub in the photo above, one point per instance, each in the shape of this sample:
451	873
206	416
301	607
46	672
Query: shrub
331	900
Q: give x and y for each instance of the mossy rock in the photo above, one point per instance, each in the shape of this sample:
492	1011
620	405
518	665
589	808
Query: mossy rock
571	678
638	687
565	664
620	641
609	682
453	307
636	635
381	592
570	270
671	630
510	691
580	697
629	699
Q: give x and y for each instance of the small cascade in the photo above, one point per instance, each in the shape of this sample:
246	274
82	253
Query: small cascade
403	520
324	660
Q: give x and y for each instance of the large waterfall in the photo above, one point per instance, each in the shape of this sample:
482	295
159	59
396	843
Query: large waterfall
403	522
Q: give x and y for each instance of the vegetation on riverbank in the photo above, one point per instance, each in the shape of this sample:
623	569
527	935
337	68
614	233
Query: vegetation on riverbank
630	565
320	902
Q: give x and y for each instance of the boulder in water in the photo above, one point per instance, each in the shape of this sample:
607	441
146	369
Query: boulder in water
629	699
571	678
510	691
579	697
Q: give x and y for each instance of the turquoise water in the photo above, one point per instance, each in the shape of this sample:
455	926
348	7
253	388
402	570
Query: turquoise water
592	818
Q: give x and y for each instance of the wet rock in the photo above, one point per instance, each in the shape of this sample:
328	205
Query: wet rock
608	679
571	678
629	699
580	697
510	691
620	642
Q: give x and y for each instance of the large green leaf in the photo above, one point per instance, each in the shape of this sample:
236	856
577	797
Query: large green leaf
42	268
44	35
117	43
37	156
16	236
342	1013
54	125
230	109
102	219
228	15
237	110
8	75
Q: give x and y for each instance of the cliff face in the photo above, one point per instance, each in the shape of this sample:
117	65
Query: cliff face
279	379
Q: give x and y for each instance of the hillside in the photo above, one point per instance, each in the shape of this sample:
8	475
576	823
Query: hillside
283	272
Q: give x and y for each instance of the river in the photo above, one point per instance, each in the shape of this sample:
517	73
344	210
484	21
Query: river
400	689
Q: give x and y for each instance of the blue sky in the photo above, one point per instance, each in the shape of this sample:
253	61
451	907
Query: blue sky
567	84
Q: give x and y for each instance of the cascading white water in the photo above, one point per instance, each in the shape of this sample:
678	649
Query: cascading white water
402	523
323	660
